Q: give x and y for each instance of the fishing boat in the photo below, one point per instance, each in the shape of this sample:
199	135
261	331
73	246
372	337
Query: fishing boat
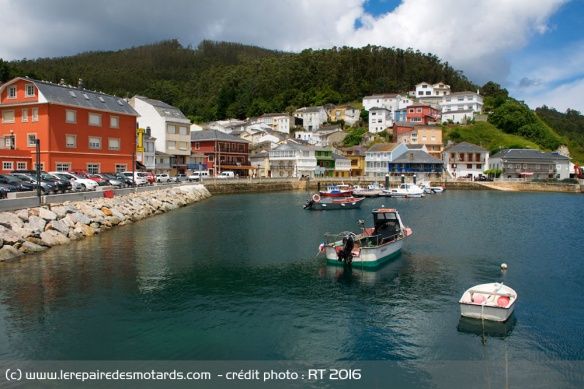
373	246
372	190
404	190
493	301
428	188
341	190
332	203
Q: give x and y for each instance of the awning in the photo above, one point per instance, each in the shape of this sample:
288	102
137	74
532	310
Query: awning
527	174
236	167
139	165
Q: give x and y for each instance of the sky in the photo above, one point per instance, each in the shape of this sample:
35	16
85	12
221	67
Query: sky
533	48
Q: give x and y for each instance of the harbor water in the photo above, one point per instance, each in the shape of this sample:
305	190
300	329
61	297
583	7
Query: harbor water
239	278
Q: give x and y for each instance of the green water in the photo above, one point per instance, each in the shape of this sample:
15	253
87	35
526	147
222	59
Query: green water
239	278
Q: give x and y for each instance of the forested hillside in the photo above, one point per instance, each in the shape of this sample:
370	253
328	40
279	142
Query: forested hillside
218	80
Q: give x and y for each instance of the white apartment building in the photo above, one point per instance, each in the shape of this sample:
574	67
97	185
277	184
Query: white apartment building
280	122
312	117
170	128
461	106
379	119
378	156
291	160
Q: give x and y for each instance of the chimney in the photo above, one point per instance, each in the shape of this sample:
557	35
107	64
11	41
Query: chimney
80	84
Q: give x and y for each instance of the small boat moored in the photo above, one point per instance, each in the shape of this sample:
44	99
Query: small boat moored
427	188
493	301
404	190
332	203
373	246
341	190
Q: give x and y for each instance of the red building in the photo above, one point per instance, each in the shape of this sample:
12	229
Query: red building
77	128
422	114
221	152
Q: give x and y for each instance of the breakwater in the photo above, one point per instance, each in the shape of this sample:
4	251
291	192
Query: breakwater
36	229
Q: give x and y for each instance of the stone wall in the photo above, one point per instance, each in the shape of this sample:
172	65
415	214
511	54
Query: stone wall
32	230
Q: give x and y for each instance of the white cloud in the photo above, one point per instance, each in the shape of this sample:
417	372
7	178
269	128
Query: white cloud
478	37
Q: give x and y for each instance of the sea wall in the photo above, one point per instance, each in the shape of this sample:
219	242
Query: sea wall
32	230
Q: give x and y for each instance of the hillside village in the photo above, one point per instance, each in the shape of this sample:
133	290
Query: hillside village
67	127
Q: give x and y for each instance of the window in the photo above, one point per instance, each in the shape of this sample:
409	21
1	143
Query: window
114	122
21	166
8	165
92	168
172	129
197	146
183	130
25	115
8	116
428	93
9	142
12	92
171	145
29	91
419	110
113	144
182	145
71	141
121	168
35	114
31	140
70	116
94	142
63	166
41	166
94	119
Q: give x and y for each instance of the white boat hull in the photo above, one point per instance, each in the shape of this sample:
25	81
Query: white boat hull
366	256
495	302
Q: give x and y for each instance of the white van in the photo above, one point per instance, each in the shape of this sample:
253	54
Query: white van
197	176
226	175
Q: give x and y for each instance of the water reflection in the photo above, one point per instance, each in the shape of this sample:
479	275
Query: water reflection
354	274
487	328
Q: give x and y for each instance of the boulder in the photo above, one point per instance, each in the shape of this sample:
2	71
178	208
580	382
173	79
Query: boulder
8	236
54	238
7	219
9	253
47	214
30	247
35	223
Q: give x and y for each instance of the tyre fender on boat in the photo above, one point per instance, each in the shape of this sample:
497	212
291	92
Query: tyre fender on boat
316	197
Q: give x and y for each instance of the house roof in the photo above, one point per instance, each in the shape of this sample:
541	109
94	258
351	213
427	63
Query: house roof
198	136
463	93
79	97
382	147
383	96
356	151
529	154
416	156
465	147
339	157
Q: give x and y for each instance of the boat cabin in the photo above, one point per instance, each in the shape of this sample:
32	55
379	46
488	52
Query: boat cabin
387	224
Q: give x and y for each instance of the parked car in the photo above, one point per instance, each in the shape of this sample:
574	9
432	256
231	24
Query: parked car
75	185
11	180
179	178
90	176
164	177
197	176
226	174
7	188
61	185
46	186
78	182
127	181
137	177
113	181
150	177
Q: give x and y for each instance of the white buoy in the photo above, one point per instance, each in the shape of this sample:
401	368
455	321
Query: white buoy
504	266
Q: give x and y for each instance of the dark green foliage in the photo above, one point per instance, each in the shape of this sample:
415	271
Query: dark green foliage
219	79
569	125
354	136
516	118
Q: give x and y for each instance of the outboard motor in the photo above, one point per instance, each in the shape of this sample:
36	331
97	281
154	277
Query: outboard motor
308	203
346	254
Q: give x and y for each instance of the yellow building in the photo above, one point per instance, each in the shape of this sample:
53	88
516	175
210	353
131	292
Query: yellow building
430	136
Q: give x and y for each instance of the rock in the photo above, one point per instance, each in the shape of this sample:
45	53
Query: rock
84	229
8	236
62	211
7	219
62	225
106	211
30	247
9	253
47	214
35	223
79	217
22	214
54	238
